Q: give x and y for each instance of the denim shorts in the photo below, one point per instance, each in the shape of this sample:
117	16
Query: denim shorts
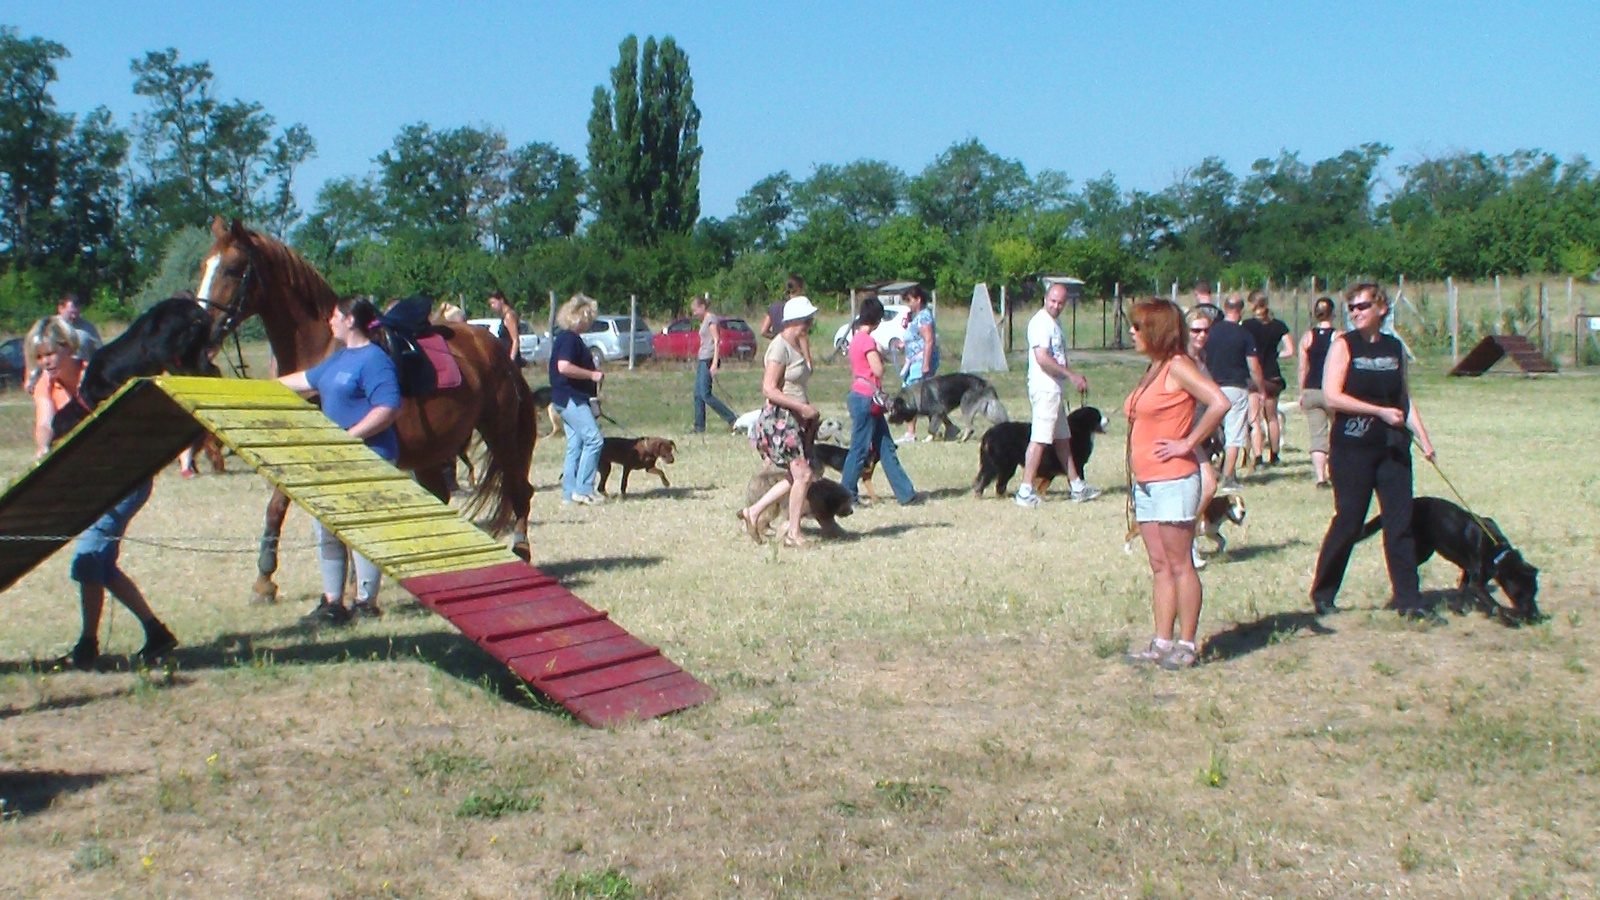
94	557
1176	500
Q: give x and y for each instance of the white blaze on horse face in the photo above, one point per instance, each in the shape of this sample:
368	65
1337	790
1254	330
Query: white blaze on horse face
212	262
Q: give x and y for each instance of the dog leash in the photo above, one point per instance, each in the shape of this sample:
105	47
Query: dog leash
1503	549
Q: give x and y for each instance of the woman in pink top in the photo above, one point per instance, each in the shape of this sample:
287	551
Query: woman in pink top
869	430
1165	488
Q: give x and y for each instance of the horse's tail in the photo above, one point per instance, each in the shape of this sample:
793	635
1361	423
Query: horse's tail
504	491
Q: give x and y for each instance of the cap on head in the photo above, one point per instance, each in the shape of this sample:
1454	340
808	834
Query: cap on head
797	308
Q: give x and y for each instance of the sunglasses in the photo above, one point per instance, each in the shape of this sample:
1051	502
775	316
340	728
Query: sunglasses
1193	330
1361	306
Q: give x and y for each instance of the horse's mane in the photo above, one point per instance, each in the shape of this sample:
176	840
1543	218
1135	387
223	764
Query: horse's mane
295	302
295	278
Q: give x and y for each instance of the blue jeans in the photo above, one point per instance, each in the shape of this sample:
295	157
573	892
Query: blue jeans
703	398
868	430
583	449
94	558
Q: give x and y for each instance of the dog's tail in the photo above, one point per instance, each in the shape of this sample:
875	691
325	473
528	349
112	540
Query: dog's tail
992	409
1368	530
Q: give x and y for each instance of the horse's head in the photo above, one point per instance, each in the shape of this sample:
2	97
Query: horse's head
225	274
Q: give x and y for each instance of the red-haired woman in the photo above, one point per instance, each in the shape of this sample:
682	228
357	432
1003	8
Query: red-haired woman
1165	489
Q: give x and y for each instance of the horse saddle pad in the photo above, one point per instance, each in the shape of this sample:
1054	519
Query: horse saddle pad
439	354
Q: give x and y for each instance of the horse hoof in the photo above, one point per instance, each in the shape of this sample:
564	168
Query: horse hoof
264	596
523	552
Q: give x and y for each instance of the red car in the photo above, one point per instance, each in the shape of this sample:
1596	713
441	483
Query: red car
681	339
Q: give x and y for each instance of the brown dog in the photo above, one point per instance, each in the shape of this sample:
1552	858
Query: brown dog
833	456
635	453
826	502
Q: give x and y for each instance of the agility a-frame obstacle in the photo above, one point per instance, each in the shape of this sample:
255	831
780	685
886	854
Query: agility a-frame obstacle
566	649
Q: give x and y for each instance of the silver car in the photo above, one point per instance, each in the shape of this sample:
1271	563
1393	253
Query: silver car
608	338
533	347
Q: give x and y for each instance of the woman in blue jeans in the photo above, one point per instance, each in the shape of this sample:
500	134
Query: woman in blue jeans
870	430
574	381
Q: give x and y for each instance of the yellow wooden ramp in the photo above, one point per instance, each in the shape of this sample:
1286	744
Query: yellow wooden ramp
565	648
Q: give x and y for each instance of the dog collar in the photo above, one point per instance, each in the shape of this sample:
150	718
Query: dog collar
1499	556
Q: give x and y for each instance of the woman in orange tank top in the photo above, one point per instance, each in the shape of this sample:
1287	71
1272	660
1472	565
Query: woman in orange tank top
1165	489
51	347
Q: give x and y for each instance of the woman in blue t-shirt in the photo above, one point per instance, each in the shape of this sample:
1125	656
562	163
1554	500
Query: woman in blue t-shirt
360	392
574	381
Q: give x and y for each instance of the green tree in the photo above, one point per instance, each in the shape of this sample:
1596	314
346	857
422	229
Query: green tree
542	191
31	134
763	213
865	192
440	188
644	145
967	185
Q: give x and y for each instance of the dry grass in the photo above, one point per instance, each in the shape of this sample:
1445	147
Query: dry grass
934	707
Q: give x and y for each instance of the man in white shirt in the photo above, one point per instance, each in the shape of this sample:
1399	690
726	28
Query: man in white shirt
1047	375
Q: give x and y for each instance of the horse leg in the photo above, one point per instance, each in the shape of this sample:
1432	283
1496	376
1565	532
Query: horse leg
436	480
265	590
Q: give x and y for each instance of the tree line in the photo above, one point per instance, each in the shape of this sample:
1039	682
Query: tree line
112	212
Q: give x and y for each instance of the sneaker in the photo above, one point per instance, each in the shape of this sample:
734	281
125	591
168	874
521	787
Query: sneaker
1026	497
1181	656
1231	486
917	499
1150	654
1326	609
1194	554
1085	494
327	613
365	609
586	499
906	439
158	642
1325	485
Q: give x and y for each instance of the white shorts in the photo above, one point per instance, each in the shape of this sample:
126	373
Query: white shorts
1175	501
1049	422
1234	433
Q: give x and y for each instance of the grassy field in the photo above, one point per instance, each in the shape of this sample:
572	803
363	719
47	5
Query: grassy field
935	707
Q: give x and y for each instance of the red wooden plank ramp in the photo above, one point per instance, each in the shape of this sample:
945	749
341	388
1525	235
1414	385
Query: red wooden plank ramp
568	650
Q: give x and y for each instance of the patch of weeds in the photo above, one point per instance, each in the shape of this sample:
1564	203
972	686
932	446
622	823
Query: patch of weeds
846	808
1214	774
494	802
1575	666
1410	857
1210	713
91	856
1108	645
1280	636
1426	790
1574	618
907	795
176	793
1384	669
1401	704
885	654
605	884
768	716
217	772
441	764
1288	665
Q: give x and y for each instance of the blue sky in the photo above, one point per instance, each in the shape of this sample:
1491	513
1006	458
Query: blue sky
1139	89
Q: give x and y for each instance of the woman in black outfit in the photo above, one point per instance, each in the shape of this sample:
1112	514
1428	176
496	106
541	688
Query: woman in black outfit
1364	383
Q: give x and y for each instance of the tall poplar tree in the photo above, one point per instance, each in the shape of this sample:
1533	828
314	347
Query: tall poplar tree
644	145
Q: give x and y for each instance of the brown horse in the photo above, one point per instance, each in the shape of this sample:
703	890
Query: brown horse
248	274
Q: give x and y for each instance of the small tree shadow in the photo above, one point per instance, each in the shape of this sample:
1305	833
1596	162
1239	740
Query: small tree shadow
26	793
1248	637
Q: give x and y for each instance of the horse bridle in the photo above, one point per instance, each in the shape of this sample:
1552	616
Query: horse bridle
229	326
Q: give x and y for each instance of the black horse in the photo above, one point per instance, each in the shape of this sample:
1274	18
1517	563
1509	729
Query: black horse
170	338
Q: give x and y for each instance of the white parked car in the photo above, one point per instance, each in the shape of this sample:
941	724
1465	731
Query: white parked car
532	346
890	333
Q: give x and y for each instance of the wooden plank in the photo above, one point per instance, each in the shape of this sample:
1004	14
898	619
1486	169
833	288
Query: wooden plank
459	563
228	420
486	579
644	700
518	620
328	434
582	658
564	690
553	593
560	637
285	456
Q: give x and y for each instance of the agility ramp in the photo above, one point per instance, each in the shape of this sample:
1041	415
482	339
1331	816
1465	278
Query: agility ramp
566	649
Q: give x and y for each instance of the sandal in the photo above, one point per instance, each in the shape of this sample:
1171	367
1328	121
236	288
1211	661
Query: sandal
793	540
748	523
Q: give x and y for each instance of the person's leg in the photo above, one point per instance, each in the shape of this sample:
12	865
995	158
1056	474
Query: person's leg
1046	410
702	390
94	566
1393	483
1254	424
1176	539
716	404
589	463
1208	491
1163	591
1353	472
1269	412
800	478
861	417
334	561
158	639
1317	427
913	375
1234	433
889	461
369	578
569	464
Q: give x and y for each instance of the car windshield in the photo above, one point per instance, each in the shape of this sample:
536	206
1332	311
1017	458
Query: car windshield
736	325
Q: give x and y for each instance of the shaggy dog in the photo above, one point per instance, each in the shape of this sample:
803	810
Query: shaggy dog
635	453
826	502
938	397
1482	553
1003	448
832	456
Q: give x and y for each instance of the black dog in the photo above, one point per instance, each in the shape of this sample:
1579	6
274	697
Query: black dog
169	338
832	456
1480	551
938	397
1003	448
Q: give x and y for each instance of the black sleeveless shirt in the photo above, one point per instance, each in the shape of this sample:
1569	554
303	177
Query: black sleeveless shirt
1377	375
1317	356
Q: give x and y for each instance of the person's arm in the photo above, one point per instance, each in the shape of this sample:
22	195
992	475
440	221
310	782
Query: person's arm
1204	391
373	422
44	413
927	347
768	330
1333	376
297	382
513	326
716	345
1414	422
1255	374
875	361
1305	360
576	372
772	390
1041	355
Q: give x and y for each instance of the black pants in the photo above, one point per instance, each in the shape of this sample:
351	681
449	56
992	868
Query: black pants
1357	472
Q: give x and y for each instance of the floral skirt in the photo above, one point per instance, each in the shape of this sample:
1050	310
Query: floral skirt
780	437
